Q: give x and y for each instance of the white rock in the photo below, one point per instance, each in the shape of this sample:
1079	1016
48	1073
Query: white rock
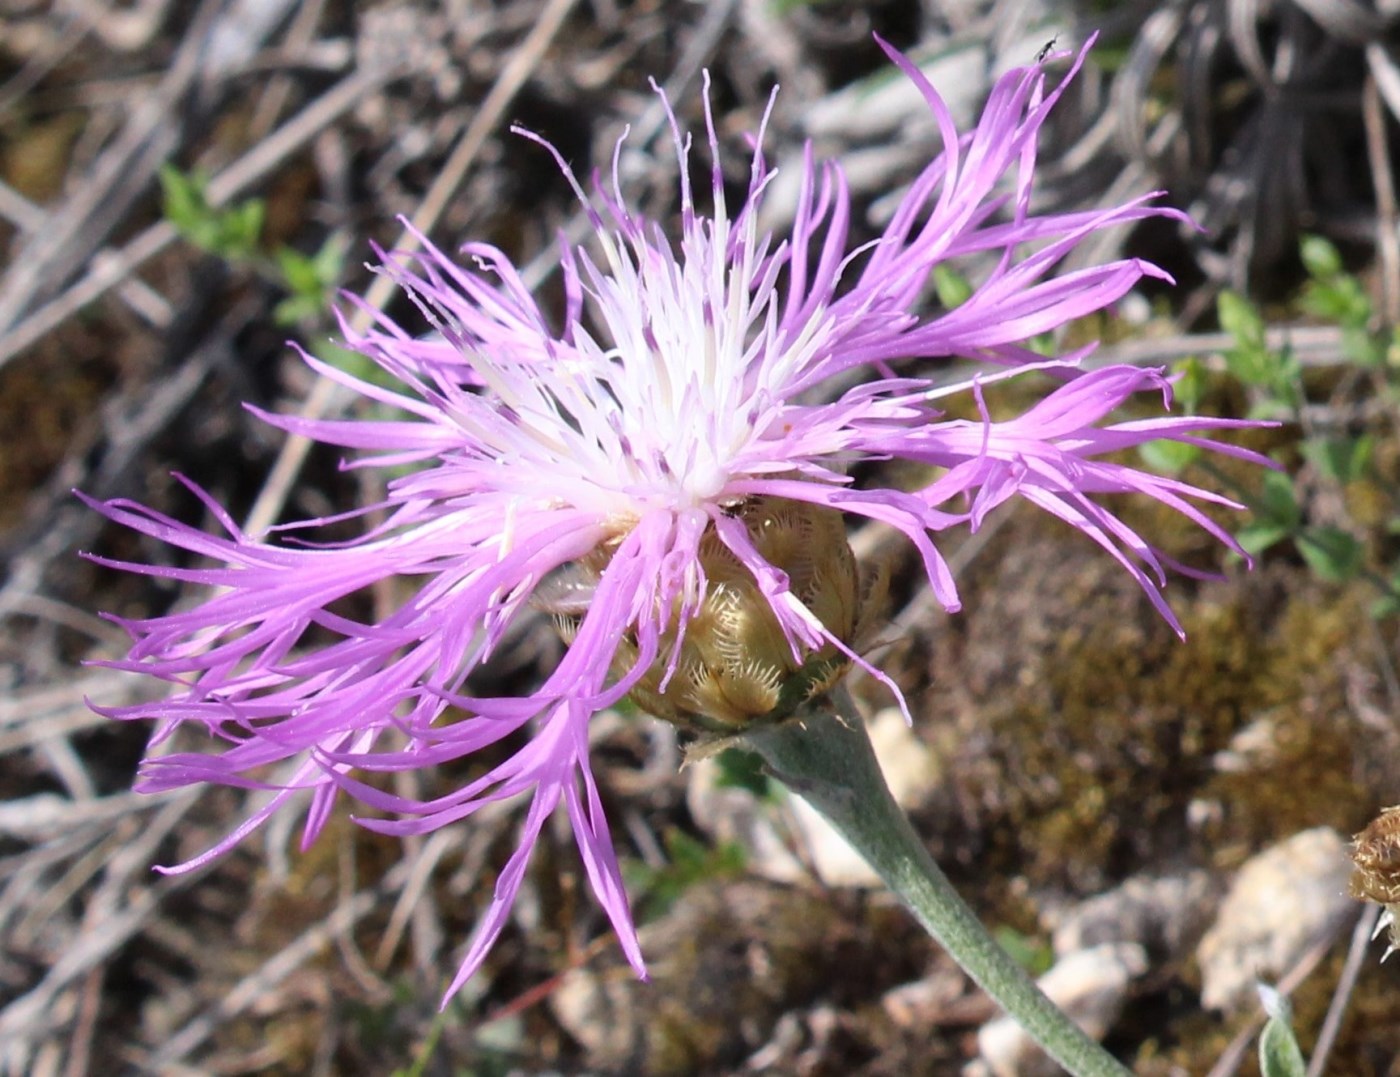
917	1004
910	768
1281	902
886	102
883	127
1089	985
1252	748
911	771
729	814
588	1006
835	862
1164	912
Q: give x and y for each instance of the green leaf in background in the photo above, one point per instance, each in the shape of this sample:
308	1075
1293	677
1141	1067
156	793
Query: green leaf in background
359	365
1276	374
310	278
787	7
1189	384
240	226
739	769
1332	293
1333	554
1388	605
691	861
1241	320
952	288
1320	257
1342	460
182	198
1256	537
1034	955
300	271
231	232
1168	457
1363	347
1279	1054
296	310
1277	501
1335	295
1276	515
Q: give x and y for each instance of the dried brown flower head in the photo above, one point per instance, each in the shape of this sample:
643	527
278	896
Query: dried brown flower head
1376	853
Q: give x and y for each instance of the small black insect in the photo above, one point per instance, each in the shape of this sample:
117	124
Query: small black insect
1045	49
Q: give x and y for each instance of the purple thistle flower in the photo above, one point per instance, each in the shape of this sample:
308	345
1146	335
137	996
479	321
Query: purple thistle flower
690	379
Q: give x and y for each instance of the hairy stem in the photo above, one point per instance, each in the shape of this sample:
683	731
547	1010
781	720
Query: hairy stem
824	755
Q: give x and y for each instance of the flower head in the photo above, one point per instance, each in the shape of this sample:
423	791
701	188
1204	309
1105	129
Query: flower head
668	472
1376	854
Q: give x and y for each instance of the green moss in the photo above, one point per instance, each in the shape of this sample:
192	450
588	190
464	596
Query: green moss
726	962
1309	776
1369	1041
1089	730
48	406
1193	1044
1367	1045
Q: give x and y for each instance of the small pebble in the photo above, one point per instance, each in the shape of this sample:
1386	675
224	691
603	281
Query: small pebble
1282	901
1089	985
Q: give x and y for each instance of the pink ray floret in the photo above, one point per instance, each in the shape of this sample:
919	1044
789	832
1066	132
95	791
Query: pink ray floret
687	375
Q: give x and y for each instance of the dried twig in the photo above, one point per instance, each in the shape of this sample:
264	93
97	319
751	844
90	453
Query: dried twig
292	957
73	230
115	912
106	271
1346	983
1234	1055
325	393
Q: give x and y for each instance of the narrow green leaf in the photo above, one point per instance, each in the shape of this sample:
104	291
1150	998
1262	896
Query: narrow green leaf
689	861
330	260
1279	1054
243	227
1388	605
182	198
297	310
232	232
1034	955
1276	373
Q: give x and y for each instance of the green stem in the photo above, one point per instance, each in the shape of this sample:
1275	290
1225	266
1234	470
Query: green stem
827	760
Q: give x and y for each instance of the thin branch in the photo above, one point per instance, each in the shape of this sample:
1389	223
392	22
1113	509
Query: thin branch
107	270
325	393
